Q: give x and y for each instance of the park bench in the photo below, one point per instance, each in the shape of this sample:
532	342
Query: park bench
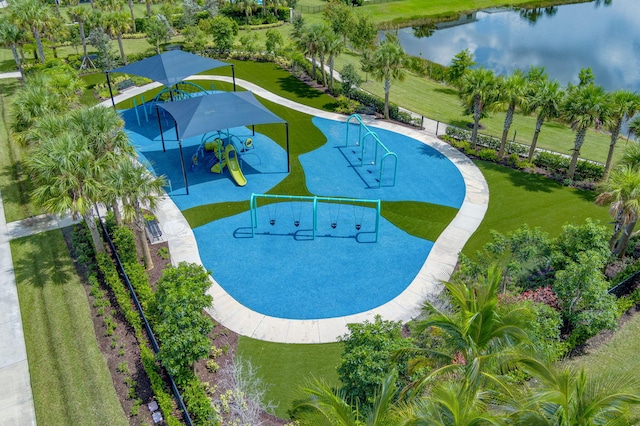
154	231
124	84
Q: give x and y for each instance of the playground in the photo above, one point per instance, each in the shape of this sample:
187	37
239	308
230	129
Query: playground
331	254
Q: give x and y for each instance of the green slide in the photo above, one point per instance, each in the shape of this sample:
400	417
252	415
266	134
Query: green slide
234	167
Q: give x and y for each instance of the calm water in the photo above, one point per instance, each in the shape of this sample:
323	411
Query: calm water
603	37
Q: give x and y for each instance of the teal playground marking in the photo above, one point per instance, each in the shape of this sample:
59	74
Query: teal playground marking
377	143
253	205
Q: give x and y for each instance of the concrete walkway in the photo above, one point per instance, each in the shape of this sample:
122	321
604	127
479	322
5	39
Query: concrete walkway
16	402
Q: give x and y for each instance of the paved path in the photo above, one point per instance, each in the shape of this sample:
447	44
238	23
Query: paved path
16	402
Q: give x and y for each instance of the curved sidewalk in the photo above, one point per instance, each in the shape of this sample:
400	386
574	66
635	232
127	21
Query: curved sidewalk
438	266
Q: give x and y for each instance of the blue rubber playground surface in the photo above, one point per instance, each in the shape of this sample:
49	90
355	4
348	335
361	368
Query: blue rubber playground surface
279	269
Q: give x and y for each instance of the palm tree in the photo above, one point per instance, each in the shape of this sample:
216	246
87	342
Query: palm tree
80	15
311	39
568	397
33	101
474	330
102	129
66	178
511	94
388	64
11	36
624	105
33	15
545	99
478	91
117	23
449	403
133	183
325	406
323	51
584	106
247	7
334	46
634	127
621	190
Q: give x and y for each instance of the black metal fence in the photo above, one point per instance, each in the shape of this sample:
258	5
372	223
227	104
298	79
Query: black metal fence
147	327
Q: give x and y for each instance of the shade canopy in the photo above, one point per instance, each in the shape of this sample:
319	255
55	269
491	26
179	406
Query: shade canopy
171	67
201	114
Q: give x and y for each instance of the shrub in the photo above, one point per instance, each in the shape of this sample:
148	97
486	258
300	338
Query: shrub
488	154
346	105
125	242
198	403
366	357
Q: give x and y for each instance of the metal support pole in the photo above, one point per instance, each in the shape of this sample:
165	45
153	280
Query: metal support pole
160	127
110	91
233	75
288	154
184	172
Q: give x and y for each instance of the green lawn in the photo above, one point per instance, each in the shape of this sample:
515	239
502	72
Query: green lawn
13	180
517	198
69	376
399	13
284	368
617	357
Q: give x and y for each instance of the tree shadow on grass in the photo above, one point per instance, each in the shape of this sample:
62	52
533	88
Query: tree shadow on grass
447	91
42	263
292	85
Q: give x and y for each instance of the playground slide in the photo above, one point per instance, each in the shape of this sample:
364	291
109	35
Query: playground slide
234	167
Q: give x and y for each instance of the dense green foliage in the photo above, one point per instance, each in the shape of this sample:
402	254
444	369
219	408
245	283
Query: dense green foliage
180	322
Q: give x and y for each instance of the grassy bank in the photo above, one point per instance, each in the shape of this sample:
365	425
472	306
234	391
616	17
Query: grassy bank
69	376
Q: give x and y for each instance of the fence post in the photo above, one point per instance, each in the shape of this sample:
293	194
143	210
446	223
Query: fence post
437	125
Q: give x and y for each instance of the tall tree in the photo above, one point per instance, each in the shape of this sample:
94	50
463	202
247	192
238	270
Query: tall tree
585	106
460	64
621	191
340	16
133	183
334	46
80	15
634	127
158	31
623	106
511	95
389	62
33	15
11	36
364	33
478	91
103	132
544	99
67	178
117	23
311	43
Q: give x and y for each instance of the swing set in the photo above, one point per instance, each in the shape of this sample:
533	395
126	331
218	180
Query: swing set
377	143
330	201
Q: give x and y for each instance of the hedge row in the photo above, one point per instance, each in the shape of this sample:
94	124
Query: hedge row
550	161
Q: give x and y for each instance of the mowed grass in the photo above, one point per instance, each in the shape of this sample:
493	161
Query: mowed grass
441	103
14	182
615	358
517	198
284	368
69	376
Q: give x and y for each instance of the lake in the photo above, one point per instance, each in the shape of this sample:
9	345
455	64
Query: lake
563	39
